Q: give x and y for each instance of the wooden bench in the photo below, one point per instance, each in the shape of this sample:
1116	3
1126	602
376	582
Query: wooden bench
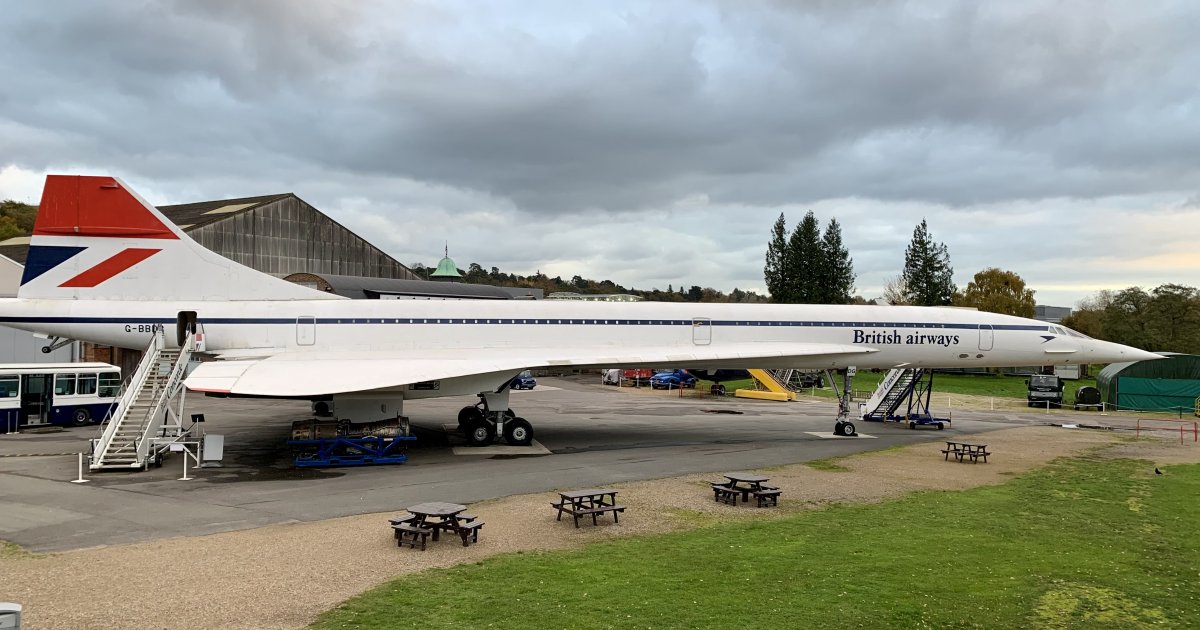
411	535
595	512
400	520
725	494
470	531
767	497
976	454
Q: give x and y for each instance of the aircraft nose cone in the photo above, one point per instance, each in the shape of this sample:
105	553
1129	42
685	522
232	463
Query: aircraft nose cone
1117	353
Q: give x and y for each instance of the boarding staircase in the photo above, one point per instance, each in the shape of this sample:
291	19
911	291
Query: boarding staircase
149	415
894	389
772	387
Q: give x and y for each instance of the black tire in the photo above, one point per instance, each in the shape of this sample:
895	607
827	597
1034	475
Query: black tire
518	432
848	429
480	432
941	426
81	417
912	425
467	415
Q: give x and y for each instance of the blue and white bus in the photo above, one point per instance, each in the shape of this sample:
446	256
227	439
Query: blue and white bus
65	394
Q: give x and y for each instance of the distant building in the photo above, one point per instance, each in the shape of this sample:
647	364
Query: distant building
1052	314
358	287
446	269
594	297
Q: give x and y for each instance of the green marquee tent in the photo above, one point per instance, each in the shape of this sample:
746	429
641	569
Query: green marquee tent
1169	384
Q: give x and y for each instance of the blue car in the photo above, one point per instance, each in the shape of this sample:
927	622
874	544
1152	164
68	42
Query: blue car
673	379
524	380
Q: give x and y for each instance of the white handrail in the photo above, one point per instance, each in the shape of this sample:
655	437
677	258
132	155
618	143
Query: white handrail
162	396
157	341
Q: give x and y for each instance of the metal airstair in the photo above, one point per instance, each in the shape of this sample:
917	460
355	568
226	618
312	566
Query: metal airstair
149	415
908	388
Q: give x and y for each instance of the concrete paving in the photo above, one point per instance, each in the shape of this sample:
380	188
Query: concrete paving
595	435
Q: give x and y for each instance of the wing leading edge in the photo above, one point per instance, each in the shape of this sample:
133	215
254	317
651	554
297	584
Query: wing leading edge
325	373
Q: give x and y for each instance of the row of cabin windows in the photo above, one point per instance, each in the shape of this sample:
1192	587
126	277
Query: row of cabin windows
103	385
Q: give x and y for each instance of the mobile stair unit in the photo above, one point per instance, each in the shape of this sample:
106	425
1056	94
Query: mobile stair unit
772	387
149	416
903	396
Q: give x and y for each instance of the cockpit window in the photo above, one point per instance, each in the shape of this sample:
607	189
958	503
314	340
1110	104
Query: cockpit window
1074	333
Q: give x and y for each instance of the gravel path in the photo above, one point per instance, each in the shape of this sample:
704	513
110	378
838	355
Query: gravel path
282	576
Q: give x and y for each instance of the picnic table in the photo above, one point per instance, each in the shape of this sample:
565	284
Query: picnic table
430	519
745	484
962	450
593	502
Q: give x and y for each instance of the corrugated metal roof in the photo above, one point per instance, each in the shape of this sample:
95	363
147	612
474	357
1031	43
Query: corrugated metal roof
359	288
194	215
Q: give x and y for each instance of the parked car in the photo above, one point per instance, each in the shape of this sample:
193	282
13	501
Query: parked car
672	379
524	380
611	377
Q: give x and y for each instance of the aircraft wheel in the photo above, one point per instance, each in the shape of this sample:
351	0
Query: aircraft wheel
717	389
837	427
480	432
847	429
467	415
518	432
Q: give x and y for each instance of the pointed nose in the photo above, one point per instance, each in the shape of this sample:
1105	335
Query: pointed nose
1107	352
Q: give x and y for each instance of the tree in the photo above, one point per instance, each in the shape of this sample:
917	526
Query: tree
895	292
997	291
803	263
835	282
928	276
773	271
694	294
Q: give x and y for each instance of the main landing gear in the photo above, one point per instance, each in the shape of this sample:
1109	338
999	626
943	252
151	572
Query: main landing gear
483	422
843	427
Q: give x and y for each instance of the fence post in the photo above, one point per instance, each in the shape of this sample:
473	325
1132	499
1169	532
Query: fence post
1138	432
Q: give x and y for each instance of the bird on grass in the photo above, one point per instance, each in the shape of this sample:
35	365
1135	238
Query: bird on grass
1157	471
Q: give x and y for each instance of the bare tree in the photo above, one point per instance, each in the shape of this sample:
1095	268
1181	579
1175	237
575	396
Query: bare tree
895	292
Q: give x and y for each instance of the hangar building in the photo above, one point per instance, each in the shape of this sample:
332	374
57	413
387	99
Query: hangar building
1161	385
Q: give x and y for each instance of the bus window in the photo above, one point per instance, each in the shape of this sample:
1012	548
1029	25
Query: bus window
64	385
87	384
10	386
110	384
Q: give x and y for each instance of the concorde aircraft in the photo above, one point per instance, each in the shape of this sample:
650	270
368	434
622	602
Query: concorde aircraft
105	266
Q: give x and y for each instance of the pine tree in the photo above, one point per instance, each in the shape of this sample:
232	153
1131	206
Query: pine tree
803	262
928	276
773	272
836	283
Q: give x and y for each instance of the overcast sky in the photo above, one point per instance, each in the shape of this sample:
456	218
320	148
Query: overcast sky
651	143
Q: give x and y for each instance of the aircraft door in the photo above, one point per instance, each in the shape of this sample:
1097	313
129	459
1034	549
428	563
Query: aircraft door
35	397
701	331
987	337
185	324
306	330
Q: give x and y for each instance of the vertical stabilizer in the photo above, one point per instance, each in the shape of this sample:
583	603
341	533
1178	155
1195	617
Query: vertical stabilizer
95	239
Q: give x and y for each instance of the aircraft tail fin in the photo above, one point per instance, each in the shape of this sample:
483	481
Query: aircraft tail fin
96	239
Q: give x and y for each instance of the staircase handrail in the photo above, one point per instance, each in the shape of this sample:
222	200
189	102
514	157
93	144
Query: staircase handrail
885	386
163	394
157	341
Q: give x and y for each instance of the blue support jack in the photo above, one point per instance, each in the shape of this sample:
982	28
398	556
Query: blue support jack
350	451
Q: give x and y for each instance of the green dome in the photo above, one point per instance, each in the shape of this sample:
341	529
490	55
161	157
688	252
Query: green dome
446	268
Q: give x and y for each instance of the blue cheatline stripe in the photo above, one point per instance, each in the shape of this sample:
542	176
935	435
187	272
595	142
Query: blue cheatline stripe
43	258
510	322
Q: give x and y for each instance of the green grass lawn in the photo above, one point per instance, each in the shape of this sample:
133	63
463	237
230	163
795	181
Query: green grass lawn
963	384
1084	543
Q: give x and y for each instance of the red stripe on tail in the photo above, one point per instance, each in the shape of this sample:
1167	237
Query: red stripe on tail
76	205
117	263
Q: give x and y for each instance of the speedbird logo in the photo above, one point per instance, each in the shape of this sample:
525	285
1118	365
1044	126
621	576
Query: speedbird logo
895	337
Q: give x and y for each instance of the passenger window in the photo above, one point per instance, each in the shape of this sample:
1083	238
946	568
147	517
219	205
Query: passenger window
87	384
110	384
64	385
10	386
